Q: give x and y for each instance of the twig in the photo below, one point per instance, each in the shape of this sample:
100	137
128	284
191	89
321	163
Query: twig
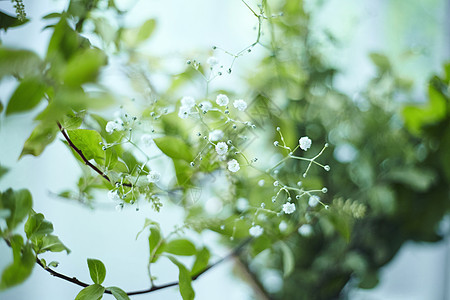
85	160
74	280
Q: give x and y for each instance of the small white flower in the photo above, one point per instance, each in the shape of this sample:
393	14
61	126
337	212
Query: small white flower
188	102
113	195
119	207
222	100
283	226
153	176
288	208
111	126
313	200
184	112
305	230
233	165
240	104
256	231
221	148
242	204
146	139
212	61
206	106
261	182
305	143
216	135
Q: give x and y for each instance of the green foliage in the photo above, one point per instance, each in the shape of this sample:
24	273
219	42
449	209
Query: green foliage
22	266
89	142
19	63
180	247
7	21
91	292
42	136
292	88
288	259
184	279
27	95
174	148
118	293
135	36
201	261
97	270
36	226
18	203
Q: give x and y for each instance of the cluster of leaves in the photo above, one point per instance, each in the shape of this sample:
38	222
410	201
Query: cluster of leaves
15	206
387	184
396	166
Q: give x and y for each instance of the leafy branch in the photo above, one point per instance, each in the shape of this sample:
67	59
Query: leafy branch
236	251
85	160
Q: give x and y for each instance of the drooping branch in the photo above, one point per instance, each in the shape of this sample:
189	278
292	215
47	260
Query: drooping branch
74	280
85	160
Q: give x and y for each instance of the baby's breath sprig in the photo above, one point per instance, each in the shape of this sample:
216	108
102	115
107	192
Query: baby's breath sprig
20	10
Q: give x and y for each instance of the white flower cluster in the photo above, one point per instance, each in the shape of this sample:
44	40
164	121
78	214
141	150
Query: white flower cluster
240	104
233	166
305	143
288	208
313	200
305	230
222	100
216	135
221	148
212	61
112	126
187	103
256	231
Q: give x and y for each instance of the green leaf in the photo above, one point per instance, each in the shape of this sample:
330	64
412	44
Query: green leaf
53	264
22	266
369	280
26	96
72	120
381	61
36	225
43	135
184	280
180	247
92	292
84	67
20	63
53	244
111	158
8	21
89	142
3	171
201	261
156	243
1	107
288	259
174	148
147	223
97	270
135	36
51	16
64	43
19	204
183	171
118	293
418	116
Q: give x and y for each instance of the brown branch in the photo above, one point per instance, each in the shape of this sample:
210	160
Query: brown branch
74	280
85	160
